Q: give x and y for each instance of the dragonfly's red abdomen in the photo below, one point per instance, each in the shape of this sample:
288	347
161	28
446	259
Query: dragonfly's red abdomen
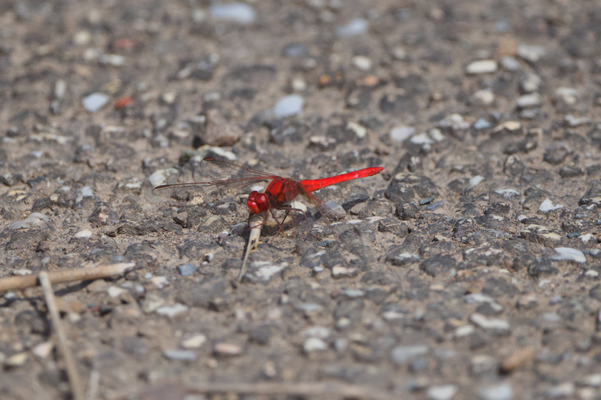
316	184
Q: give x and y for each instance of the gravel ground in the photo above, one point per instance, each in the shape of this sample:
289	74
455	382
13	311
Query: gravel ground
483	227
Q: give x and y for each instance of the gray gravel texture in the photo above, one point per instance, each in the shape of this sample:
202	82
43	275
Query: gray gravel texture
484	225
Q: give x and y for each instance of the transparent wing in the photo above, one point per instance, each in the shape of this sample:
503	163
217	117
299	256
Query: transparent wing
223	176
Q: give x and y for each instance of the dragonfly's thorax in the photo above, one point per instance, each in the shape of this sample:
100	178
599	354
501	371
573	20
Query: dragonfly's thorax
282	191
257	202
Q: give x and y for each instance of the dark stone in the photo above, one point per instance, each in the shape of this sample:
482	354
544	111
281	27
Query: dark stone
412	84
459	185
101	216
399	104
399	192
488	310
351	309
391	225
378	278
437	265
203	295
595	292
556	154
592	195
376	295
513	166
497	287
571	171
406	211
29	321
399	257
260	334
135	346
498	209
358	98
27	239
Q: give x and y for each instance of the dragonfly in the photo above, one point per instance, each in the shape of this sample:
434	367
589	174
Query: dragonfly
278	195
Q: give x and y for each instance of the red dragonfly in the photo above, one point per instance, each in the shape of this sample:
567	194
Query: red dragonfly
277	196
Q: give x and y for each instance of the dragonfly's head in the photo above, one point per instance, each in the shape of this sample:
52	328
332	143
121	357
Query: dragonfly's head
257	202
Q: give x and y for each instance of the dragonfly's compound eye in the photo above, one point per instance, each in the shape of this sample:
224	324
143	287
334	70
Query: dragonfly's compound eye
257	202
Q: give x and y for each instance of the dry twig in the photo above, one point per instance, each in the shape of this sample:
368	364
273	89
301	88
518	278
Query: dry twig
253	240
331	389
76	384
70	275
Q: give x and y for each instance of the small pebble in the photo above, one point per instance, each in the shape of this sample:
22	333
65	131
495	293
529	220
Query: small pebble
179	355
363	63
569	254
501	391
314	344
547	205
530	53
529	101
483	98
194	342
43	350
16	360
563	390
172	311
85	233
401	133
573	121
482	67
95	102
517	358
492	324
240	13
510	64
186	269
112	59
482	123
288	106
227	349
441	392
401	355
159	281
353	28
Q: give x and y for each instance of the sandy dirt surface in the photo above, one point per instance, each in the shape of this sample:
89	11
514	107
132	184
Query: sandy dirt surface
481	279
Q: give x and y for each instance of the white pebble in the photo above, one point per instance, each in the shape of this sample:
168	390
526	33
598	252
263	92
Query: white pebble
240	13
194	342
85	233
569	254
530	53
547	206
95	101
354	27
363	63
43	350
401	133
172	311
314	344
441	392
288	106
482	67
159	177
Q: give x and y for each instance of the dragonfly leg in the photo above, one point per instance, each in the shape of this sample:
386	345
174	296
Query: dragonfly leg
256	226
288	209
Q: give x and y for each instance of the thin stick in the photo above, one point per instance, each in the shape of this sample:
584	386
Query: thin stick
253	240
70	275
340	390
76	384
